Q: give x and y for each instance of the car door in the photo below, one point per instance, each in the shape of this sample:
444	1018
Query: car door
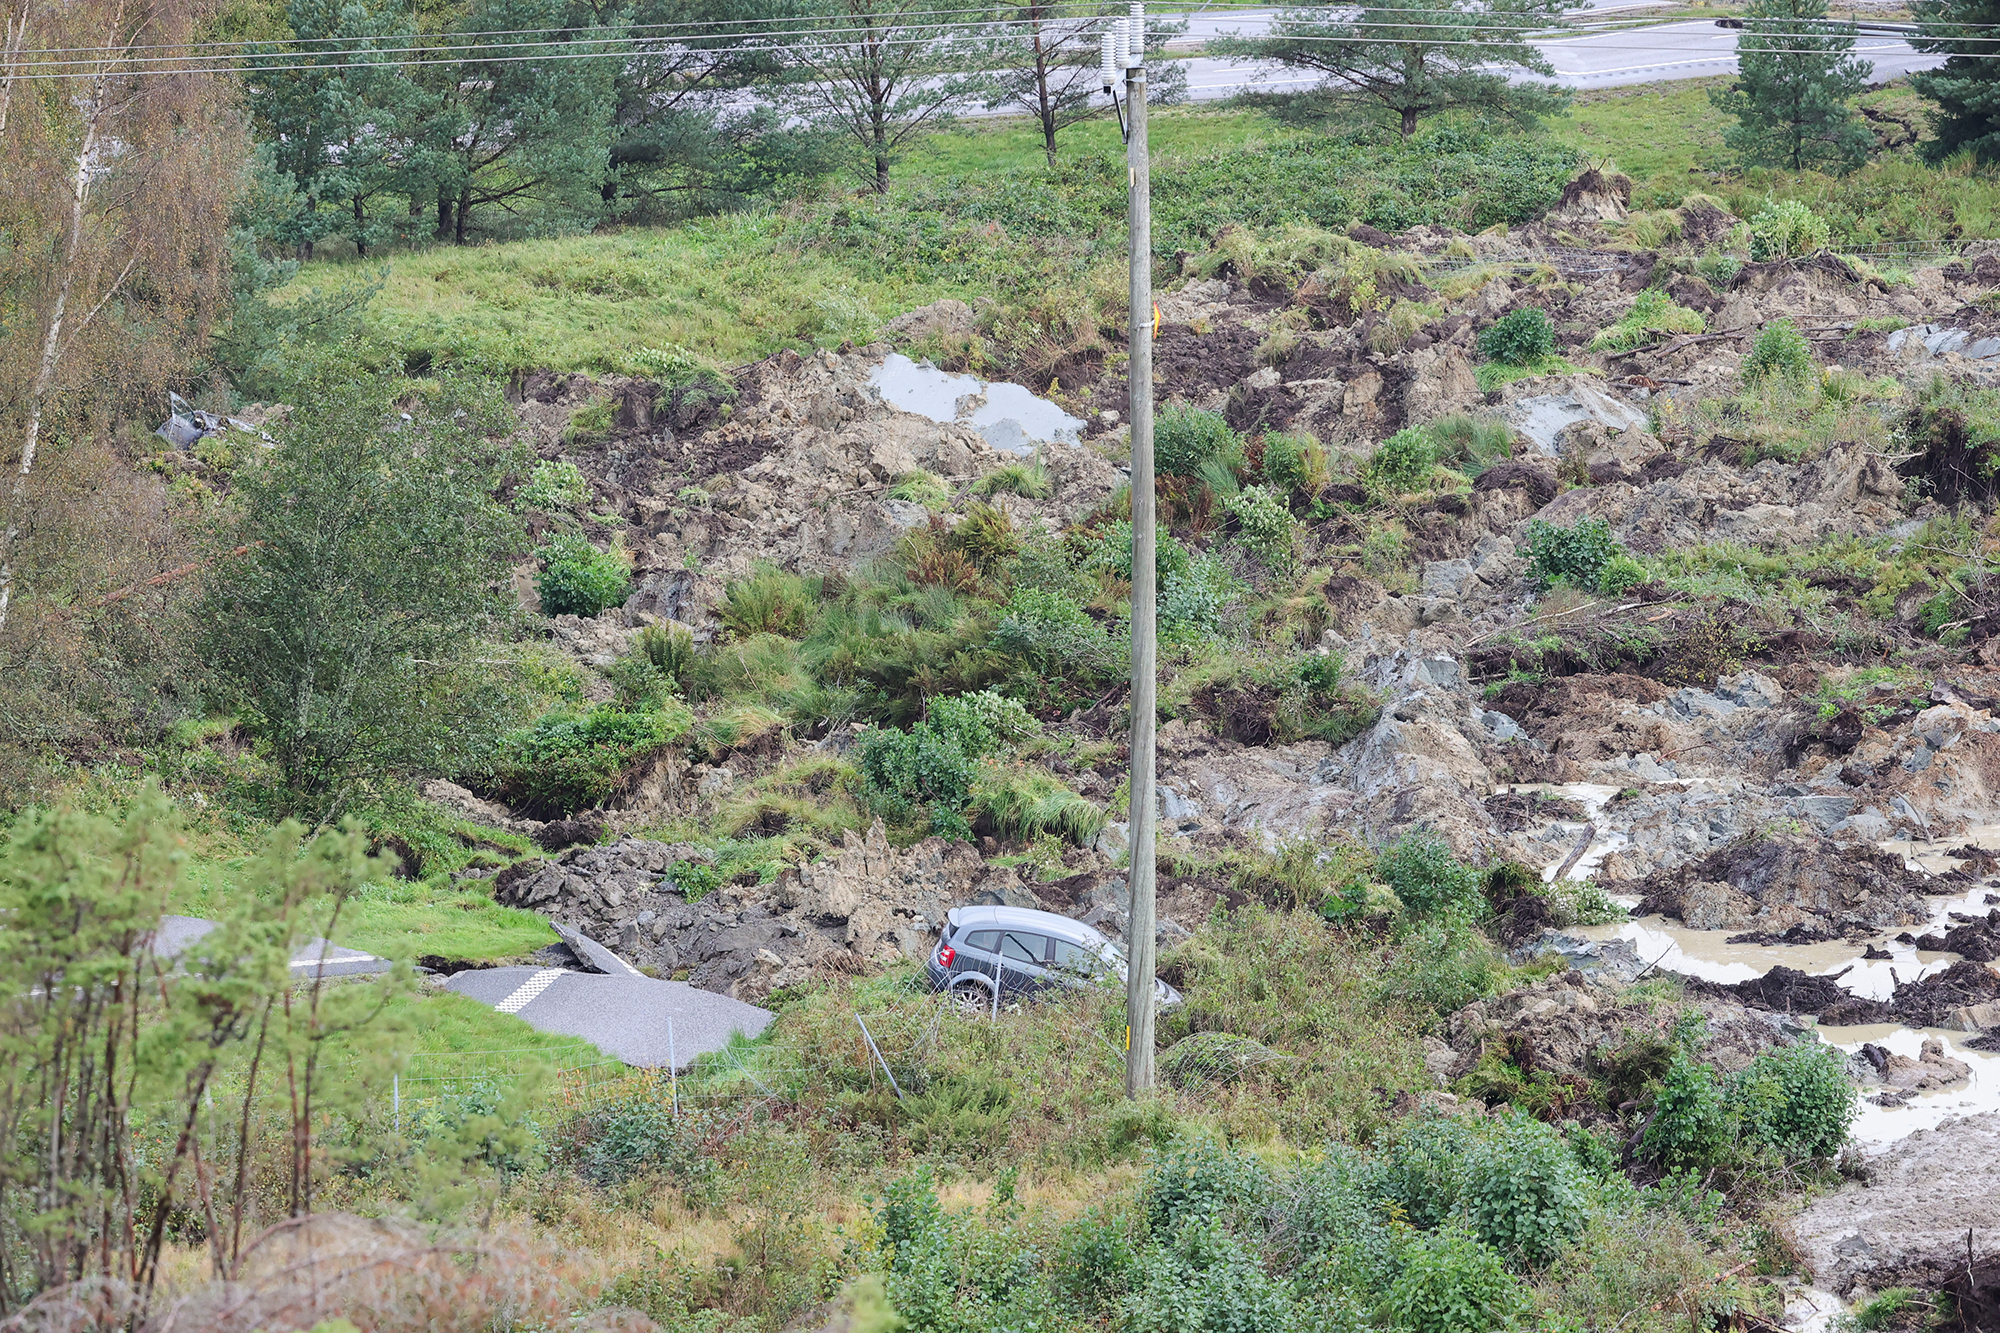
978	951
1024	961
1075	964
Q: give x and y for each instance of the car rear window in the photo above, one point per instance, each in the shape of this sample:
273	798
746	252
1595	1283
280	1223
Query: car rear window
989	940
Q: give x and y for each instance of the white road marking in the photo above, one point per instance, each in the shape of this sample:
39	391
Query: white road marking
528	990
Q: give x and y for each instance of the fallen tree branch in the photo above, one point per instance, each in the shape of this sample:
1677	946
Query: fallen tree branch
161	580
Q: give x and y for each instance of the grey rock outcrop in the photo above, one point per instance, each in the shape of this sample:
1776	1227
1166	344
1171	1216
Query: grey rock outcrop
867	905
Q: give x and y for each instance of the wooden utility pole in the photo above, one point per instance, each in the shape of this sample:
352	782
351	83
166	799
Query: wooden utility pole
1139	1003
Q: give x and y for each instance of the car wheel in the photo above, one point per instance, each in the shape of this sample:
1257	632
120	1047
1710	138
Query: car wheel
973	998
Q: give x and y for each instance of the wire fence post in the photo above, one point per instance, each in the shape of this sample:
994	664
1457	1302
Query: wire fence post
673	1069
869	1037
396	1097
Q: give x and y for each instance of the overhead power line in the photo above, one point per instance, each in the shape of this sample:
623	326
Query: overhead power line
420	59
932	20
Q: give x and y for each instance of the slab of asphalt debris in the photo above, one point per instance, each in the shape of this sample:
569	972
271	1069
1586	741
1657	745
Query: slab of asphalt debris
177	934
641	1021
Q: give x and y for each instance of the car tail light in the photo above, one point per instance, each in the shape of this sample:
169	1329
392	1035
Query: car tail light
945	954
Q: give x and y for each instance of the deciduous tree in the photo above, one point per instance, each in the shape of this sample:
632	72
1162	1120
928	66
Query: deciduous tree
878	73
115	186
1050	64
372	565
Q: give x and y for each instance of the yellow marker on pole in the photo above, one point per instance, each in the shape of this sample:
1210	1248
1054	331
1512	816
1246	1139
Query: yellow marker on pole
1156	319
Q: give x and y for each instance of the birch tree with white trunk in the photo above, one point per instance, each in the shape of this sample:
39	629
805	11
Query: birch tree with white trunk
117	166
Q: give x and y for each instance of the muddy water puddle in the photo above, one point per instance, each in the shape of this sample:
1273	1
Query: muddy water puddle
1669	946
1011	418
1672	947
1877	1126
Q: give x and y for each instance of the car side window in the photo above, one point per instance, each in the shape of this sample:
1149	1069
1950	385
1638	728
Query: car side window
1019	948
987	940
1075	958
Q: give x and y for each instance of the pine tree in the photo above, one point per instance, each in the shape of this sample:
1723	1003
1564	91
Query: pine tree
1797	71
331	107
505	132
1419	57
689	133
1967	88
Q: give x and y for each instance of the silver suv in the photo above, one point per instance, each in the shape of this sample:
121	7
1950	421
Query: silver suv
984	954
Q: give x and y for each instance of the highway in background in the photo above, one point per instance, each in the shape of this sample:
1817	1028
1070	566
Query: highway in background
1655	53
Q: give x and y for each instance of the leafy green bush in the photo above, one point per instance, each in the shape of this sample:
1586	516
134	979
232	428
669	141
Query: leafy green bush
1797	1099
668	363
1619	573
1330	1228
1096	1261
1523	1193
1194	600
553	487
1785	229
1265	527
1429	879
1691	1124
1425	1167
1575	555
1781	351
1453	1283
1048	630
1403	462
1203	1279
960	1272
694	879
1519	338
1442	966
934	763
903	770
569	761
1202	1181
1185	439
977	723
611	1144
577	579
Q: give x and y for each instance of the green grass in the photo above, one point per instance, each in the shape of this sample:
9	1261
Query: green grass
400	919
1625	126
730	288
408	920
448	1024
